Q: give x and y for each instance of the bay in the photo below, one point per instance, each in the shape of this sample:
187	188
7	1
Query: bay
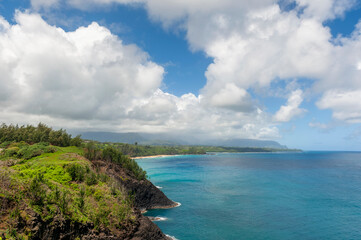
308	195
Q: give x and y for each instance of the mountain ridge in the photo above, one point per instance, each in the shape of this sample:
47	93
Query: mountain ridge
164	139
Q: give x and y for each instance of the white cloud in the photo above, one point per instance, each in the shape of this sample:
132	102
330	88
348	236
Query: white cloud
346	105
291	109
318	125
325	9
39	4
232	97
252	43
88	73
89	79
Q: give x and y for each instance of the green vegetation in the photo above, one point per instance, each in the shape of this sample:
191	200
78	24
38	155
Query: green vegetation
61	183
41	173
112	154
42	133
136	150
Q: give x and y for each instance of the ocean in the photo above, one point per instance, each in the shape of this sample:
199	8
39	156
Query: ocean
308	195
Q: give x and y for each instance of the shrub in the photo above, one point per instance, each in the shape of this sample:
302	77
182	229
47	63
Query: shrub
98	195
77	141
101	215
50	149
81	199
31	151
12	151
103	177
5	144
76	172
91	179
36	190
64	202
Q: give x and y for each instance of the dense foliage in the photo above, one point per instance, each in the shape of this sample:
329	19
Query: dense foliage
57	185
136	150
42	133
28	141
25	151
111	154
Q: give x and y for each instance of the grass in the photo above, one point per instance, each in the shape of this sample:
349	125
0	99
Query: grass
51	165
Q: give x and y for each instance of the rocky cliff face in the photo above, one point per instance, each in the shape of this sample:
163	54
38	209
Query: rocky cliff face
146	195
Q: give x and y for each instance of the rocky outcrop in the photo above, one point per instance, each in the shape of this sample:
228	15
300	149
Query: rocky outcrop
30	223
146	195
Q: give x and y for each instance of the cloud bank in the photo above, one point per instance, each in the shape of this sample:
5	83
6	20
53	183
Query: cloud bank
91	77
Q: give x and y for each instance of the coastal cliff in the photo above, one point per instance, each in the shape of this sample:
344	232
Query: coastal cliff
146	195
63	195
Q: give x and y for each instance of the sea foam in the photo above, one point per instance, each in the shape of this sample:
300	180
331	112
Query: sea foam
160	219
157	219
172	237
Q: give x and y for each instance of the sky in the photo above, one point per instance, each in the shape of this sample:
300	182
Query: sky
287	70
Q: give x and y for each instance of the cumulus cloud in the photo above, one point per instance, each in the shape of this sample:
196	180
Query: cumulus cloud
89	78
325	9
85	74
345	104
82	74
252	43
291	109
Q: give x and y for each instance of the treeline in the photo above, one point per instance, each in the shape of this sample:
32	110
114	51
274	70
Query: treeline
135	150
28	141
94	151
41	133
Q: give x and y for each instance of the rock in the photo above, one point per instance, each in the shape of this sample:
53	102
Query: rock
146	195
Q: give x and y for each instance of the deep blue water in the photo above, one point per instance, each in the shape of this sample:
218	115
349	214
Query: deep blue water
310	195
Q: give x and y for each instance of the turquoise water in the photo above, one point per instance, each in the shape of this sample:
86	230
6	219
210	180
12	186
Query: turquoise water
310	195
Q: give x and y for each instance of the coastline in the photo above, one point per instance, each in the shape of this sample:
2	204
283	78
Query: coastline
213	153
154	156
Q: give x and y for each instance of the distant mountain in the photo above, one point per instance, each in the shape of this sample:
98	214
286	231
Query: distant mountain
250	143
130	138
167	139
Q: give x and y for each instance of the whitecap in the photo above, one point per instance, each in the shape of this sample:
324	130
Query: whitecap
159	187
161	219
172	237
157	219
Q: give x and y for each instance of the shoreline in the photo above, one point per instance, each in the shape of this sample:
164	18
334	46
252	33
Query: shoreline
154	156
210	153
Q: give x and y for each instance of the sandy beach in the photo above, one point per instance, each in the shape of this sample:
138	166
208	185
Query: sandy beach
154	156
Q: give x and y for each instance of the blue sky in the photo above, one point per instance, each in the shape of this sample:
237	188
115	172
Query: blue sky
282	70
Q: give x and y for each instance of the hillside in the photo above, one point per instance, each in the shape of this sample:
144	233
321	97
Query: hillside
69	192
